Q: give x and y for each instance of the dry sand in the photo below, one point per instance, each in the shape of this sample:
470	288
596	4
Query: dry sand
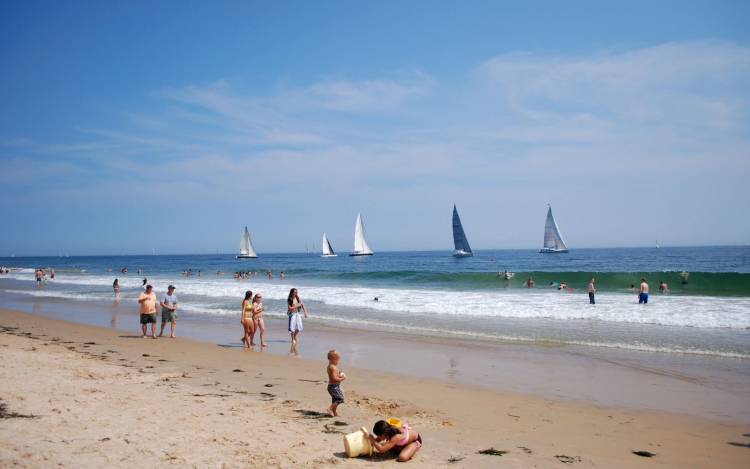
83	396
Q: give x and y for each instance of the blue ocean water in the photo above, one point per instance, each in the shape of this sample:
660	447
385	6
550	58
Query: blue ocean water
706	312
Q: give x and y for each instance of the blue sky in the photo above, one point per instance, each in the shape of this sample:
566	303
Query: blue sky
172	125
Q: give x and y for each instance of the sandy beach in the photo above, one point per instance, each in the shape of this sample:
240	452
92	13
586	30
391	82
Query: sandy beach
85	396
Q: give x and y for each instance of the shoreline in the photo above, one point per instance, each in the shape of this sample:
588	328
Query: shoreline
705	386
204	392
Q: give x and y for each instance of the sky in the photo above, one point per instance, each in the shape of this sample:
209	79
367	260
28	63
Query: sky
134	127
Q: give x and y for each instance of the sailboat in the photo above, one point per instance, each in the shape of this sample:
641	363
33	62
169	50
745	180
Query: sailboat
553	242
327	249
360	243
459	237
247	251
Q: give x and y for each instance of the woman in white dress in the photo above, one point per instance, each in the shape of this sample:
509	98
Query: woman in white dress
294	306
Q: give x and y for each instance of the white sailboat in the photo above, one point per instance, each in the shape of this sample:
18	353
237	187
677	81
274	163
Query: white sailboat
247	251
553	242
361	248
327	249
460	243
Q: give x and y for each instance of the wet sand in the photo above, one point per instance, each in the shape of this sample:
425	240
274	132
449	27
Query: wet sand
87	396
705	386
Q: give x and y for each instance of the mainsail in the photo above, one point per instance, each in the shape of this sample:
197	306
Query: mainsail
360	243
459	237
553	241
327	249
246	245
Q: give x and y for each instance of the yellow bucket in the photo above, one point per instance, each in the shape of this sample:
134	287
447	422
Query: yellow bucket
396	422
357	443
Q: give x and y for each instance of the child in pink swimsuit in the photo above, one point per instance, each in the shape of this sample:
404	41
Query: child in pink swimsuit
404	441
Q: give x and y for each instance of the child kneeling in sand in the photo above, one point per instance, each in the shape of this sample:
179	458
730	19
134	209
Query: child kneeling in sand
403	440
335	377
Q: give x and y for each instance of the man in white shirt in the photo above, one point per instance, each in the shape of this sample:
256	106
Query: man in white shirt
169	310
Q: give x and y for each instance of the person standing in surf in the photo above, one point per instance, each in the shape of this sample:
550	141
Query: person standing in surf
258	318
294	305
248	326
592	291
643	293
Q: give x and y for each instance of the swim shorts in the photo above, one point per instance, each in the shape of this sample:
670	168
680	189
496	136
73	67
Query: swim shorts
643	298
148	318
167	315
337	395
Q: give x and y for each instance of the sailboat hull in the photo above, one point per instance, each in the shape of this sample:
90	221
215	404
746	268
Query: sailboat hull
354	254
329	255
552	251
244	256
462	254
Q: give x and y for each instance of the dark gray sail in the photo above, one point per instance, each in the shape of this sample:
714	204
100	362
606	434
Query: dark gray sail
459	237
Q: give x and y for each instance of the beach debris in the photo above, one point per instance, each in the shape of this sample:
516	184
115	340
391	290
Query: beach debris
267	396
90	343
512	415
106	438
644	454
311	414
6	414
525	449
455	459
740	445
567	459
145	355
492	452
268	385
237	370
328	429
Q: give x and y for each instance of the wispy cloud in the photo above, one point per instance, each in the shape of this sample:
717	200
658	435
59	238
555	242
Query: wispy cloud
538	126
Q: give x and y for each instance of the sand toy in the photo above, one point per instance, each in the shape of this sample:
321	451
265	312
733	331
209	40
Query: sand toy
357	443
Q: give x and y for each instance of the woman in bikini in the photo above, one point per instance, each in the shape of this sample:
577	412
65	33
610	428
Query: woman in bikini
248	325
258	318
403	440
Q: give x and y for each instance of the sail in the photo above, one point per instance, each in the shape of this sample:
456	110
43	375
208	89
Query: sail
552	237
327	249
360	243
246	245
244	242
459	237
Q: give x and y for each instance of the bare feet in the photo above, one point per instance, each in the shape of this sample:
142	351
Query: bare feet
171	336
153	337
263	345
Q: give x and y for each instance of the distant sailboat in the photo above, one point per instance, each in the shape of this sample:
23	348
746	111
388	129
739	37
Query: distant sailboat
657	244
553	242
459	237
247	251
327	249
360	243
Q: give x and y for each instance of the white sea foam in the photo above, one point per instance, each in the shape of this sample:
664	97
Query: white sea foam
211	295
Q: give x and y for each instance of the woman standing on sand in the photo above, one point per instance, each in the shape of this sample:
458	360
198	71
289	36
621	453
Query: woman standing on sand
116	286
248	327
294	305
258	319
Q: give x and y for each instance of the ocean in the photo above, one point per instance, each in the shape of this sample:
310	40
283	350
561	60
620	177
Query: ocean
435	294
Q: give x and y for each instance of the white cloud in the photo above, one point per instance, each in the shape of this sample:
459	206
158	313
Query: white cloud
520	130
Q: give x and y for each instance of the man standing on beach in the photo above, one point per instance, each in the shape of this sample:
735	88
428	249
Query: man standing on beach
147	300
643	293
169	310
592	290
